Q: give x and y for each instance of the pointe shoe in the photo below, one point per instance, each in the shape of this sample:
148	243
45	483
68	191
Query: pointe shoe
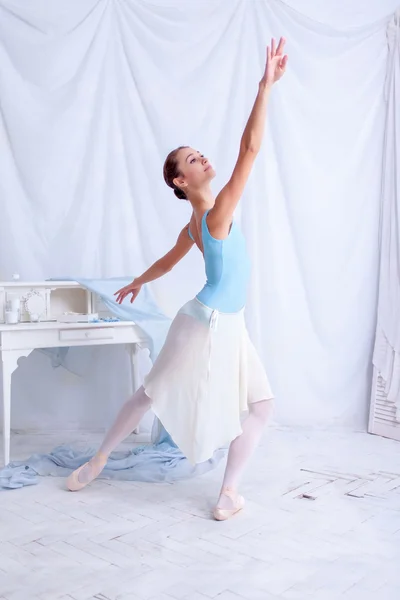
73	483
222	514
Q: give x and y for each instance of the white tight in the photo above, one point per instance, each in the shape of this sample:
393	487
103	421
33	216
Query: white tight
242	447
133	411
127	420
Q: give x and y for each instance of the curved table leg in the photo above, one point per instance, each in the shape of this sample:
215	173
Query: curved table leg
10	363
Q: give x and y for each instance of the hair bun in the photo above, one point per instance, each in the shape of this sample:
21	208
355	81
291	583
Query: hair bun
180	193
171	171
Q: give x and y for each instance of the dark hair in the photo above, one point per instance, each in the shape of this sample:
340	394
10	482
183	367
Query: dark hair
171	171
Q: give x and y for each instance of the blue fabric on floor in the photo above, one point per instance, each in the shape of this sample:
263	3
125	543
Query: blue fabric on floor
160	461
155	463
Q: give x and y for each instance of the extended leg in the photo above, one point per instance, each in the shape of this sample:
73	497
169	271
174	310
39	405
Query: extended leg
127	420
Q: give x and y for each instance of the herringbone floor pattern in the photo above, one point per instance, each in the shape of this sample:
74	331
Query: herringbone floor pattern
322	522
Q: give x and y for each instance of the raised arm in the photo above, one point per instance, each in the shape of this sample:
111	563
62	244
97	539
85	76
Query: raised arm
159	268
220	216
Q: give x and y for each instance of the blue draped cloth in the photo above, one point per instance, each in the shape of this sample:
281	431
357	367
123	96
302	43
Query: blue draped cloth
160	461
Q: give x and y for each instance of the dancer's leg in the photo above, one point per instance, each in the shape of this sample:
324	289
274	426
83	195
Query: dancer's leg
243	447
127	420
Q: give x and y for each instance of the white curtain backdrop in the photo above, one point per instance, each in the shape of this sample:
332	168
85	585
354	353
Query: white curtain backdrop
94	93
387	341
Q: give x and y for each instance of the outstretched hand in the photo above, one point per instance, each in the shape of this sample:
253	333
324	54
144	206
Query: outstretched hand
276	63
133	288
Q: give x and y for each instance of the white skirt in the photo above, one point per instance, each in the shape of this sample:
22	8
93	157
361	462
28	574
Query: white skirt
206	374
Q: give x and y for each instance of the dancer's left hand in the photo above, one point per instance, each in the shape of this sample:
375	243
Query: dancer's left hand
276	63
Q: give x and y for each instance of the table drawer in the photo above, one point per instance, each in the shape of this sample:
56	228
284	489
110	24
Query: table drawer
56	335
70	335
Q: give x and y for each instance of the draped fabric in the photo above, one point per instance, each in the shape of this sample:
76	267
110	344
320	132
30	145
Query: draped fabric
94	93
387	341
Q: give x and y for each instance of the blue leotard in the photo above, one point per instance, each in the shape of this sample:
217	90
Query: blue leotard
227	270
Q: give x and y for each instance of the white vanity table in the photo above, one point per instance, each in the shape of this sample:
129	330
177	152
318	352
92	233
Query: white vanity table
58	298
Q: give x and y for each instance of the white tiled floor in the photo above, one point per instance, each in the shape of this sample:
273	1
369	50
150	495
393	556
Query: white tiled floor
322	522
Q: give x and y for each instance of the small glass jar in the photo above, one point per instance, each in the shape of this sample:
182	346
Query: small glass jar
12	313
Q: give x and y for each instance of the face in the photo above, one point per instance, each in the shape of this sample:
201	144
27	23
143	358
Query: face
195	168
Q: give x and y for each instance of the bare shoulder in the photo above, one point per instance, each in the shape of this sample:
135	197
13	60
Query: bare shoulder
184	236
